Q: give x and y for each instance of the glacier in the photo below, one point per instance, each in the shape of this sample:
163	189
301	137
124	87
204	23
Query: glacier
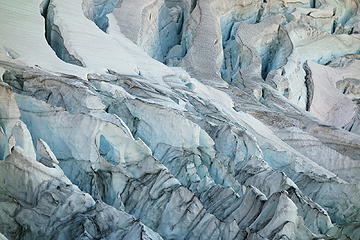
180	119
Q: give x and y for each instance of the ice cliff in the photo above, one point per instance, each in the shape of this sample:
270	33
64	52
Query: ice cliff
180	119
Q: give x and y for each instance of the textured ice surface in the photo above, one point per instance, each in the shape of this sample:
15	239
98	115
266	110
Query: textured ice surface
179	119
